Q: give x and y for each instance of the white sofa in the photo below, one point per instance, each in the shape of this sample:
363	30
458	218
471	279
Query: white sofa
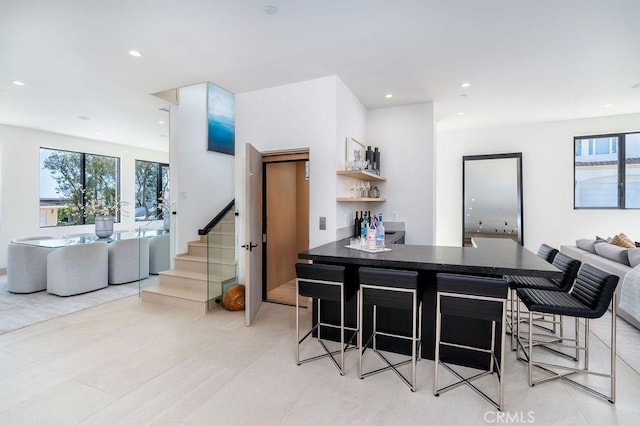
77	269
616	260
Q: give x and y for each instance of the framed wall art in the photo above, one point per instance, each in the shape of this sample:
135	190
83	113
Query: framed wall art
221	125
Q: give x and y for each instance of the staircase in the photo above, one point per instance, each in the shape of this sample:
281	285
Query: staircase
186	286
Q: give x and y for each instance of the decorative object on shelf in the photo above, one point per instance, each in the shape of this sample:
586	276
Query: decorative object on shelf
355	155
376	160
373	192
356	189
369	157
104	226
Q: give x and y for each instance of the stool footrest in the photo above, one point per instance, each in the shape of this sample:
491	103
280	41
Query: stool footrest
467	381
393	367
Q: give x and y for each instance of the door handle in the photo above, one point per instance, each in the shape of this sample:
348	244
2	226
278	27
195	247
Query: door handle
249	246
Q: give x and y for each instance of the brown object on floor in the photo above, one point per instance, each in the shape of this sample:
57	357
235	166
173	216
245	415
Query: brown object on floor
233	298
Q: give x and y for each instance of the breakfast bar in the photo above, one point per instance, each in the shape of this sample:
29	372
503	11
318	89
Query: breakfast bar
488	257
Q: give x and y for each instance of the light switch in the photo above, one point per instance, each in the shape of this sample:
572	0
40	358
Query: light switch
323	223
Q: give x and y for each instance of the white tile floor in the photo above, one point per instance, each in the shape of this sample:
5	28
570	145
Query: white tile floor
127	362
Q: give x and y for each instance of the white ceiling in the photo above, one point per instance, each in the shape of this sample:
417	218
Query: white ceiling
527	61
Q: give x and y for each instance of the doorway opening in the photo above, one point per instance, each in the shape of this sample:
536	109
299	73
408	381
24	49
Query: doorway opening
285	223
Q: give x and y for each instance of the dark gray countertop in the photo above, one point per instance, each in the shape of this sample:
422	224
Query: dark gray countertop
490	256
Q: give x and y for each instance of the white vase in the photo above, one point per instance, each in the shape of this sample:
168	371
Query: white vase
166	221
104	226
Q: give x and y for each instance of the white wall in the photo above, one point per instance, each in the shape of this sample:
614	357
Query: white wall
547	160
405	137
203	179
20	180
300	115
351	121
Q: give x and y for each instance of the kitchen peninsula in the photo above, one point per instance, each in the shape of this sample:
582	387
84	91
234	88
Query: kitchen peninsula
488	257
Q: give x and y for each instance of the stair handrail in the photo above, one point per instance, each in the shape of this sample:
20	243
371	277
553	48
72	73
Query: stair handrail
217	219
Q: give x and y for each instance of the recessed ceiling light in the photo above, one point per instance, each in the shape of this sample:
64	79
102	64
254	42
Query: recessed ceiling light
270	10
164	109
160	122
389	95
84	117
18	82
465	84
636	86
608	105
98	133
163	136
135	53
461	113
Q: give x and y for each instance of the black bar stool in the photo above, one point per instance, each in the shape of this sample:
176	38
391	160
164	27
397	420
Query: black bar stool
324	282
547	252
390	289
589	298
476	298
568	265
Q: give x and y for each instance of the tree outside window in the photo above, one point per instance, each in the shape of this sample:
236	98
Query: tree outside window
152	182
64	175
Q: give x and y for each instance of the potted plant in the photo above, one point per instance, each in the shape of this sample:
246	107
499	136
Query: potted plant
163	206
103	212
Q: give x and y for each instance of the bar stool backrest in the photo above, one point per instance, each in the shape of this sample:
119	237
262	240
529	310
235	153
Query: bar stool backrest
547	252
474	296
594	288
570	267
391	279
314	280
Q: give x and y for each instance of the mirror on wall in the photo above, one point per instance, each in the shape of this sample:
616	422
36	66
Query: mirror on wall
492	197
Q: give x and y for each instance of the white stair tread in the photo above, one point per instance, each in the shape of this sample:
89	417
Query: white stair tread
180	292
186	274
196	275
191	258
204	259
214	245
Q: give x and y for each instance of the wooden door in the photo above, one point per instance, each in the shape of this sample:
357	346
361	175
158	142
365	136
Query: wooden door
281	223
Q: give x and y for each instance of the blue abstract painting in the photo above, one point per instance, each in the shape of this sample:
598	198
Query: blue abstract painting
221	120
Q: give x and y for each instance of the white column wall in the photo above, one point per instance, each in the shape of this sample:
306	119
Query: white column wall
351	121
20	180
294	116
204	179
406	139
547	160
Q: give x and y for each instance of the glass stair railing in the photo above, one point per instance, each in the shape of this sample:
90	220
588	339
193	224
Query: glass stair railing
221	257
